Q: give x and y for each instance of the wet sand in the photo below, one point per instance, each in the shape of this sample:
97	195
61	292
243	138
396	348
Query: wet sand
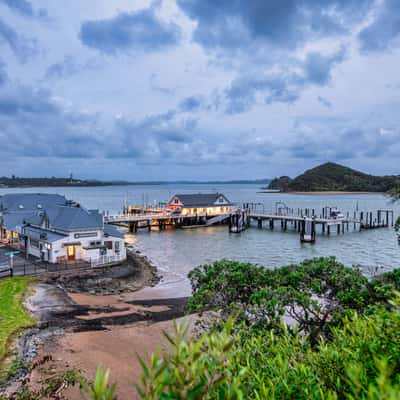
116	347
85	329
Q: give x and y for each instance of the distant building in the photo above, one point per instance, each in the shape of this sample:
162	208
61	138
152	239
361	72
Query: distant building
200	204
56	230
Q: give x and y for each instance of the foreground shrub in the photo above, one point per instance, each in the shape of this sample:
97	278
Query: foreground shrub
362	361
314	295
201	369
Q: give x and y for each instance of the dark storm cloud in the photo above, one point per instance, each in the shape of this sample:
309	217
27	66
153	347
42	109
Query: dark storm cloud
70	66
191	103
139	31
318	68
3	73
239	24
325	102
283	87
324	139
23	48
384	30
41	127
153	138
24	8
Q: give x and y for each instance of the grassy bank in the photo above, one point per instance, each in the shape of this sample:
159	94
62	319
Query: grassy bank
13	316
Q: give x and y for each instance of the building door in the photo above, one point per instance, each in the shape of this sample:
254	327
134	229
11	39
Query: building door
71	253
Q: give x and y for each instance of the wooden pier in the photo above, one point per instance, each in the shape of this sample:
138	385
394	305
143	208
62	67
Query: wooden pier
306	222
162	220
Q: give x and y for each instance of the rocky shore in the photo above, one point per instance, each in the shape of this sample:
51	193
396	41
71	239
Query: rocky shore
135	274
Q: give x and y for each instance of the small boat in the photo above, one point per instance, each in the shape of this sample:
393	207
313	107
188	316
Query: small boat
336	214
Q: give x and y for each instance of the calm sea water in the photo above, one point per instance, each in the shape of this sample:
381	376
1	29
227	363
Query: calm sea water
176	252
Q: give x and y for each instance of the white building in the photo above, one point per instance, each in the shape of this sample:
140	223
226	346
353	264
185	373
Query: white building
58	231
210	204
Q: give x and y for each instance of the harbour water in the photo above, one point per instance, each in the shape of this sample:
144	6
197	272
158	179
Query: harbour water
176	252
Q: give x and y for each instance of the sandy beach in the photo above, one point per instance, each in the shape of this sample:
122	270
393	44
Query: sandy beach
79	330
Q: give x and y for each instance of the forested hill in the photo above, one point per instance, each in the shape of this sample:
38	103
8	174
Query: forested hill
335	177
14	182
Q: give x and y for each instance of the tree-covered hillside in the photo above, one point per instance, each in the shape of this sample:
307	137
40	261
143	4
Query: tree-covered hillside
335	177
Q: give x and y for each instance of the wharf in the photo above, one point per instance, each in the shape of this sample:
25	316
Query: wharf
305	221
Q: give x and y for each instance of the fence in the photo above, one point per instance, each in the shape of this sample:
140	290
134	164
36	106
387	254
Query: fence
106	260
5	271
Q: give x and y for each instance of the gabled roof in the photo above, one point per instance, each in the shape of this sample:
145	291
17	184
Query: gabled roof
15	220
201	199
67	218
30	201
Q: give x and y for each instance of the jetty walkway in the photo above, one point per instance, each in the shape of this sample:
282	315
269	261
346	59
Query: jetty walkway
305	221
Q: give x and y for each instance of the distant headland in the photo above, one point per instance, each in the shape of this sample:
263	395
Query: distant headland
335	178
18	182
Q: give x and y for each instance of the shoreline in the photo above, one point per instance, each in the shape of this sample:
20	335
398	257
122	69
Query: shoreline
333	192
74	319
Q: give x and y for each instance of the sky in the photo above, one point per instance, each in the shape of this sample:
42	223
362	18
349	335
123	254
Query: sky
198	89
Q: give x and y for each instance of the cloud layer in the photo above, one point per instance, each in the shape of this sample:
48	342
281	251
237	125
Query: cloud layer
140	31
198	88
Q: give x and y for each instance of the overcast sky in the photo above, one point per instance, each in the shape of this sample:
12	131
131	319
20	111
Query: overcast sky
198	89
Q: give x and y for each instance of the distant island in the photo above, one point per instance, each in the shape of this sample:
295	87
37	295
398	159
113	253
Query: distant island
18	182
332	177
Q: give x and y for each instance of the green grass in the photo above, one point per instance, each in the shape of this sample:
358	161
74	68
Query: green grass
13	316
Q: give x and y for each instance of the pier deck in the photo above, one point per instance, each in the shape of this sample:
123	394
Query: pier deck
304	221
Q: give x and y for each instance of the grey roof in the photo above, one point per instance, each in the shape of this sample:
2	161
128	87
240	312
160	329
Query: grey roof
111	230
200	199
30	201
68	218
42	234
15	220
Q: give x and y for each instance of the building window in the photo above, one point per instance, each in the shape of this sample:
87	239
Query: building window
117	247
34	243
108	245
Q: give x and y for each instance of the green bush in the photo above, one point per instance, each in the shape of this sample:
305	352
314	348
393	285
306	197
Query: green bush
345	343
193	370
362	361
315	294
397	224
